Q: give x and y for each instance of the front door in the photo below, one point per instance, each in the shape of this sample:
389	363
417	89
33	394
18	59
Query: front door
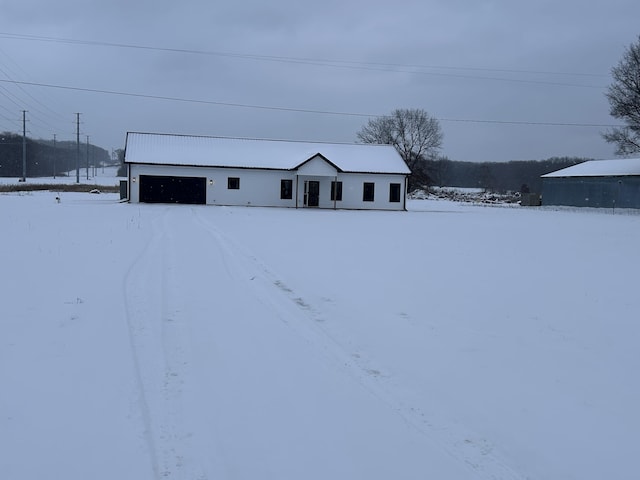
311	193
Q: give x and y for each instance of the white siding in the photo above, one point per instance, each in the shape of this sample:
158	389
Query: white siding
257	187
262	187
353	189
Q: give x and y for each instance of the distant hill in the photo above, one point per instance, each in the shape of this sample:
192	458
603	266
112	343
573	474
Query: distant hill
43	159
512	176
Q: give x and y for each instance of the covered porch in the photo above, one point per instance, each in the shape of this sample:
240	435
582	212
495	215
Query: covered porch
317	184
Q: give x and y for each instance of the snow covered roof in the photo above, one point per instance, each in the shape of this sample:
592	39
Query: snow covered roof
187	150
600	168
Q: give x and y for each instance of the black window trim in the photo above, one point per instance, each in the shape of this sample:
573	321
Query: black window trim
368	191
286	189
336	190
233	183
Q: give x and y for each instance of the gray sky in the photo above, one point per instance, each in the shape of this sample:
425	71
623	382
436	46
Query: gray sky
472	64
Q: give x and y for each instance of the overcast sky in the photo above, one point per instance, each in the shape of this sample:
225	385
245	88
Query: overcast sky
496	73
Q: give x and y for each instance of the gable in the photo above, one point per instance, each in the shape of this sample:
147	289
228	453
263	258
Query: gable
317	166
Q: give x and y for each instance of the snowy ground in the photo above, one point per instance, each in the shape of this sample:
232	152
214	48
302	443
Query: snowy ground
97	176
192	342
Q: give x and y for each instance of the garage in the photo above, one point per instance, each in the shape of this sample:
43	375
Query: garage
172	189
595	183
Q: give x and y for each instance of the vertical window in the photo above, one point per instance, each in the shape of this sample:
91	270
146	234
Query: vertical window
233	183
368	192
286	189
394	192
336	191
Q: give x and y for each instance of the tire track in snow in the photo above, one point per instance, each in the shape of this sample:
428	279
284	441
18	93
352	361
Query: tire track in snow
175	433
171	425
134	283
461	444
158	347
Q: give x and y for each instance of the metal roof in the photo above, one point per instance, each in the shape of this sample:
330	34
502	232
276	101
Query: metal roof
188	150
600	168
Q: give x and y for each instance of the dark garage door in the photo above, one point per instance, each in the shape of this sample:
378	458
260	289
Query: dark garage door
161	189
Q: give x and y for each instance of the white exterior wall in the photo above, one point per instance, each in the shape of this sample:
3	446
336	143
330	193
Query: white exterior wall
353	186
257	187
262	187
352	191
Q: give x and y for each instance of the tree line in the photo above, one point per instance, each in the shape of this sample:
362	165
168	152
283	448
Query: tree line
514	176
43	159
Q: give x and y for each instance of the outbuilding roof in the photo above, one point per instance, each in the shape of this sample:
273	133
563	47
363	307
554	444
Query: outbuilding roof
203	151
600	168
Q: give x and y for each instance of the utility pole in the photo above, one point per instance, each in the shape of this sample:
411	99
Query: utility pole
24	146
87	157
77	148
54	155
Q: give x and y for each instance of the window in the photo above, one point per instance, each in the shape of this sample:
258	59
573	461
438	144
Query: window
336	191
286	189
233	183
394	192
368	192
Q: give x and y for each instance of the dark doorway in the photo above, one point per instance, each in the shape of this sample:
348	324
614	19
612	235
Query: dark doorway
312	193
394	192
161	189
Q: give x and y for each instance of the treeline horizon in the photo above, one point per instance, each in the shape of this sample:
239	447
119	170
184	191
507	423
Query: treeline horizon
45	160
512	176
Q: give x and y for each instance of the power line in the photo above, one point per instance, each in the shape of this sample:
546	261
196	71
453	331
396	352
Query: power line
376	66
10	96
358	65
53	114
21	98
12	120
7	110
280	57
18	102
290	109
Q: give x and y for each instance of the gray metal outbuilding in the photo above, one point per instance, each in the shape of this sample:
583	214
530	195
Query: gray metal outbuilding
596	183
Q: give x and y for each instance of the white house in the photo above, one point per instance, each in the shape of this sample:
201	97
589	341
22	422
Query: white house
238	171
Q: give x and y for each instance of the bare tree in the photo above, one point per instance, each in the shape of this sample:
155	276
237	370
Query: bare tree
416	135
624	100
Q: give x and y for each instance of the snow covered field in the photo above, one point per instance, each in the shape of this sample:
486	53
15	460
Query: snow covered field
99	176
192	342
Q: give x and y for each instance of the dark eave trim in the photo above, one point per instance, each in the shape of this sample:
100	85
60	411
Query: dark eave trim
323	158
207	166
254	168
